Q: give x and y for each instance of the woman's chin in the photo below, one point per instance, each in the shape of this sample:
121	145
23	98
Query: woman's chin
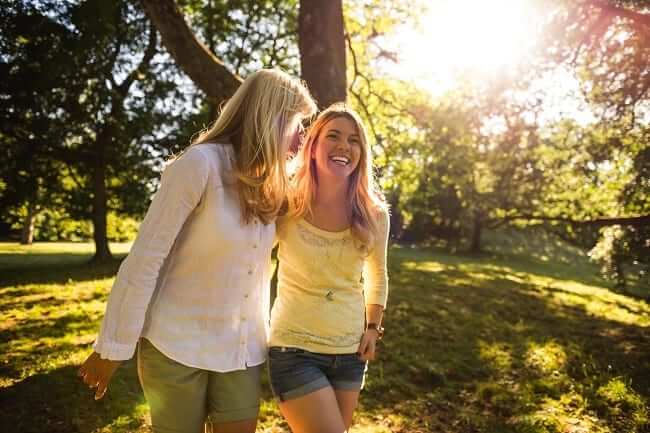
337	171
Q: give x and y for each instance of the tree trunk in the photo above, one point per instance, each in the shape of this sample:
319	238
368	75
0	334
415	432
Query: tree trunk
321	41
475	247
102	251
204	69
27	233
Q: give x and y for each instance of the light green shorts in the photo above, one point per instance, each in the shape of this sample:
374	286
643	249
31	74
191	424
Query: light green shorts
183	398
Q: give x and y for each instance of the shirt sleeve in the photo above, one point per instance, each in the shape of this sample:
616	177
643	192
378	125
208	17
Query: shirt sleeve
182	185
375	274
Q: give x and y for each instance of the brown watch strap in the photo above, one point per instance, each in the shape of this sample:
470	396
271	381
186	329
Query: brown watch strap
376	327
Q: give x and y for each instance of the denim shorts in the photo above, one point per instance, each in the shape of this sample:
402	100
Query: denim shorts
296	372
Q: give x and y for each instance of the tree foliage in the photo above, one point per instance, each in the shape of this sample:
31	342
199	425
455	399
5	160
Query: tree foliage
85	96
607	44
474	157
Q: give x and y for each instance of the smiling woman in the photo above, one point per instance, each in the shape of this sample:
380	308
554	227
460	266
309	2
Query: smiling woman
467	36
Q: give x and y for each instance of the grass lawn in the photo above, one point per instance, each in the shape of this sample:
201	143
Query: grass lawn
525	339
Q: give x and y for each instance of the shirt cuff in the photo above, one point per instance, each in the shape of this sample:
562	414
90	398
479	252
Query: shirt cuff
114	351
377	298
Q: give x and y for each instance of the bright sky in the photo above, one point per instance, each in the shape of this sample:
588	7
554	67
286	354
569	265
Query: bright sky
477	36
482	40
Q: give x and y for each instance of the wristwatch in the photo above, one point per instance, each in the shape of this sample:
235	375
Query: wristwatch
379	329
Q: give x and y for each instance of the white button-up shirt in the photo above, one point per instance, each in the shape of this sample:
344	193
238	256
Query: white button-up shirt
196	282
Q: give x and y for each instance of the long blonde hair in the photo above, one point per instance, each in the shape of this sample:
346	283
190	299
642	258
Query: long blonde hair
364	196
254	122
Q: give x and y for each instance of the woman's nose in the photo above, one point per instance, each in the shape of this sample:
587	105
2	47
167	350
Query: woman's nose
343	145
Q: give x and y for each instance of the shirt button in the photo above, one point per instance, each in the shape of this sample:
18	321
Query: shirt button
243	319
254	245
246	296
250	272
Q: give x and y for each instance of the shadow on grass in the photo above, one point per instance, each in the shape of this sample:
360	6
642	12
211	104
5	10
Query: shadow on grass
533	242
473	350
40	337
584	273
58	273
39	328
474	344
13	298
58	402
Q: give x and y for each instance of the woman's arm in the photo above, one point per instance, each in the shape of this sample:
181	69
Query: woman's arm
375	290
181	189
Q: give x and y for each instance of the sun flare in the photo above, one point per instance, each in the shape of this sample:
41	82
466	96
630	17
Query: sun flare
467	36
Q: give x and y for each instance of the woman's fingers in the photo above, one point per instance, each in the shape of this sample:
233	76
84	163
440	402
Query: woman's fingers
370	352
362	346
102	386
90	379
96	373
87	367
367	348
97	381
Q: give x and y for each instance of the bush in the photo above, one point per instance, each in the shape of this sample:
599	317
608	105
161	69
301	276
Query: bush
54	225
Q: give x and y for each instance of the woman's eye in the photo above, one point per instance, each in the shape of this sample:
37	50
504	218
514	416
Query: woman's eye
332	137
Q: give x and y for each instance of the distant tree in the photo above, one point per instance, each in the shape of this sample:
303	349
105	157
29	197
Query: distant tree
88	72
598	192
31	116
473	173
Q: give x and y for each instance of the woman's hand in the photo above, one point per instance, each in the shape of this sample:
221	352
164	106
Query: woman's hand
97	372
368	345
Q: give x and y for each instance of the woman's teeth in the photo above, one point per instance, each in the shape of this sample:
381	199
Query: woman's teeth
340	160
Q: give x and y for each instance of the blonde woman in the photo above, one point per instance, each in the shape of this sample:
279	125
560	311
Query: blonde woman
193	292
325	321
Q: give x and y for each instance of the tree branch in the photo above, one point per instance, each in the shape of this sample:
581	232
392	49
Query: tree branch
369	117
73	176
207	71
119	40
355	65
370	91
150	51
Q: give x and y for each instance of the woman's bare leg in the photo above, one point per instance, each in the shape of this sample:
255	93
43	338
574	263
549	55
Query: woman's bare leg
347	401
316	412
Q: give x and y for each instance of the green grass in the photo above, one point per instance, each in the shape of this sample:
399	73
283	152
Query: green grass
525	338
